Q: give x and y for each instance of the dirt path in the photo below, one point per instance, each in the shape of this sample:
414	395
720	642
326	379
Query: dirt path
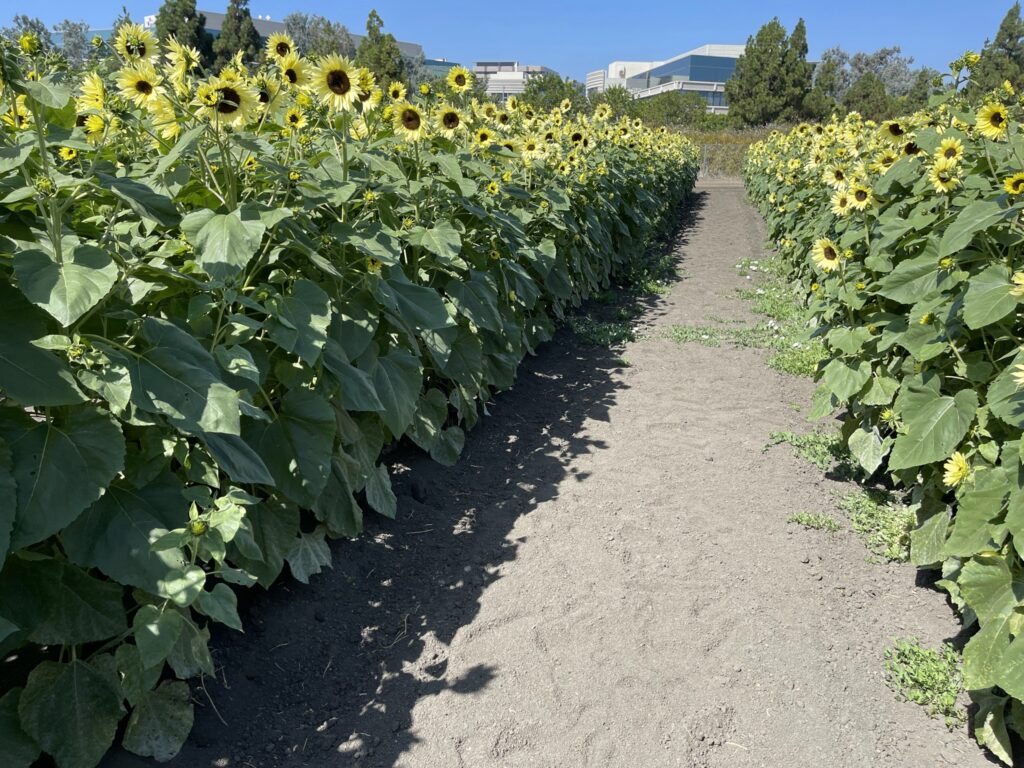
606	579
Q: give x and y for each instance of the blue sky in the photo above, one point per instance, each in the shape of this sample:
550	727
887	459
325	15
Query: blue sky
575	37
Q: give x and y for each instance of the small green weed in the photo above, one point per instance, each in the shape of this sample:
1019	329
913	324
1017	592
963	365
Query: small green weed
822	449
882	522
702	334
597	333
815	521
622	362
927	677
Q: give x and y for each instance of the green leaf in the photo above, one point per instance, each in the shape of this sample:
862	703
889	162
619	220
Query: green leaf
844	379
990	725
379	493
160	722
928	540
297	446
238	460
71	711
309	555
115	534
264	539
442	240
398	378
83	452
978	505
868	448
135	679
301	321
225	242
156	633
913	280
67	288
182	585
336	507
988	299
972	219
448	446
47	93
13	157
221	604
418	305
145	201
16	746
357	390
8	500
934	426
190	655
1005	398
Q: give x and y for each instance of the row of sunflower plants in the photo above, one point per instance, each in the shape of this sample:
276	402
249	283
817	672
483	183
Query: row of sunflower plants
907	237
223	294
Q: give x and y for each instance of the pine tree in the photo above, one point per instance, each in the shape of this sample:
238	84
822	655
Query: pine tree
180	18
757	90
379	52
74	40
797	73
868	97
1002	58
237	34
820	102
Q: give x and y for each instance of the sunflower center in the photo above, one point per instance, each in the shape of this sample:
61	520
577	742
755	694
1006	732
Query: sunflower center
338	82
911	149
410	119
264	96
136	48
1018	184
293	118
450	120
292	75
896	130
861	195
229	101
997	119
144	87
577	138
460	79
830	253
950	153
282	49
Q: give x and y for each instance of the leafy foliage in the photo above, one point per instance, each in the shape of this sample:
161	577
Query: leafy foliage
379	52
926	677
222	297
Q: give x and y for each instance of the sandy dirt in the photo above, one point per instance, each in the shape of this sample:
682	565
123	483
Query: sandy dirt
607	578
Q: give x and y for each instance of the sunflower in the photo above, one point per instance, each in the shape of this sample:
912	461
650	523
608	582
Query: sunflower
493	188
396	92
861	197
98	126
512	105
267	91
825	255
449	121
424	89
67	154
893	130
135	42
944	177
280	46
93	93
602	112
139	83
884	161
956	470
369	95
950	149
293	69
294	120
1018	285
1018	375
1014	185
227	102
409	122
841	204
333	82
565	106
992	121
459	79
835	177
483	138
165	121
533	148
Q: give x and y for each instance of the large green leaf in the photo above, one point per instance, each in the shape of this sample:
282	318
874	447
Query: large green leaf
115	534
66	287
398	378
309	555
1005	398
225	242
476	299
914	280
237	458
16	746
336	507
156	632
418	305
8	500
83	452
975	217
988	299
144	200
297	446
300	322
846	378
160	722
357	389
442	240
221	604
265	539
934	426
71	711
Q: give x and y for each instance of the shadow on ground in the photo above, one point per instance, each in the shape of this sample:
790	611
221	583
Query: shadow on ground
328	674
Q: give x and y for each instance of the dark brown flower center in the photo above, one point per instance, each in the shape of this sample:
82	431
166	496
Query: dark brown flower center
264	96
577	137
144	87
997	119
830	253
292	75
450	120
460	80
229	101
911	149
1018	184
895	129
861	195
338	82
949	153
135	48
410	119
282	48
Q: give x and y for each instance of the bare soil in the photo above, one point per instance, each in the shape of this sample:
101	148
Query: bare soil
607	578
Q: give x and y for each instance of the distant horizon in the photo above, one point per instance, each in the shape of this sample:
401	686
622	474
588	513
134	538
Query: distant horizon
575	38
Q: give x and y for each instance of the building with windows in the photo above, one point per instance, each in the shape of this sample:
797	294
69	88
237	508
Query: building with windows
506	78
703	71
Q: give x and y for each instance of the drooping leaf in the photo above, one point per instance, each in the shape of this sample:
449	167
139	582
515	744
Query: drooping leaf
934	426
160	722
66	287
16	746
221	604
156	633
398	378
988	299
309	555
225	242
300	322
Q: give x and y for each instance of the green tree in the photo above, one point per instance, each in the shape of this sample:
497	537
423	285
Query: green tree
868	97
181	19
22	23
797	73
1002	58
820	101
618	98
757	92
315	35
548	90
237	34
379	52
674	109
74	41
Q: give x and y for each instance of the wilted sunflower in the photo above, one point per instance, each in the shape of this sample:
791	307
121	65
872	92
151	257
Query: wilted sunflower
861	196
333	82
396	92
227	102
992	121
950	149
943	176
293	69
1014	185
280	46
459	79
409	122
449	121
825	255
138	83
135	42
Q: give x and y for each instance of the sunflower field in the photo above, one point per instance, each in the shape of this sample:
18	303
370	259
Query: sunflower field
223	294
908	239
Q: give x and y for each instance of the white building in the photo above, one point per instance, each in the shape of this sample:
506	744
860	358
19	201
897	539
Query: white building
506	78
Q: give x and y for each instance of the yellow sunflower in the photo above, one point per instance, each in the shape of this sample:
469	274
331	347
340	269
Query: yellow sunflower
493	188
956	470
944	176
825	255
293	69
483	138
602	112
135	42
459	79
841	204
99	125
1014	185
67	154
93	93
138	83
227	102
1018	285
334	82
280	46
396	92
449	121
294	120
861	197
165	121
1018	375
992	121
950	149
409	122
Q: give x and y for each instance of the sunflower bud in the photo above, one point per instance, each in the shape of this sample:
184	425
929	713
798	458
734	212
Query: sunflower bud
198	528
